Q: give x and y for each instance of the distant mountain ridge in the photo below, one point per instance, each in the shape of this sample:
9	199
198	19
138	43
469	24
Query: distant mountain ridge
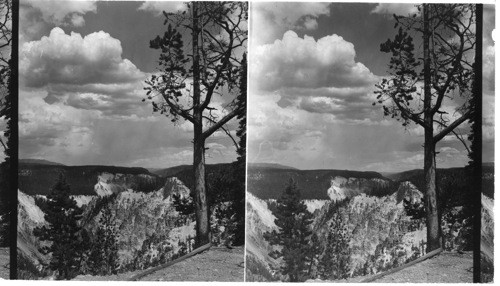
39	162
181	169
268	183
406	175
171	171
37	178
270	166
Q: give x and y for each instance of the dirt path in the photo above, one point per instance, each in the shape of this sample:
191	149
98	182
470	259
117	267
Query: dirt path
446	267
4	263
215	264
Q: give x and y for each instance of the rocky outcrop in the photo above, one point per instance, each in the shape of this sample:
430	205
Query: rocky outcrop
140	217
487	228
30	216
409	192
380	236
147	223
259	220
108	183
314	205
342	188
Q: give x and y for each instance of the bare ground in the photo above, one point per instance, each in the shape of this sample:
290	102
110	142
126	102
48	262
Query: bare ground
447	267
216	264
4	263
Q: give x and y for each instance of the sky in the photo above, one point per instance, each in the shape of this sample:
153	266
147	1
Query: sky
313	69
82	69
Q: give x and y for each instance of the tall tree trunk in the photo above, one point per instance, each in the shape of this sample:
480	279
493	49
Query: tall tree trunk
202	220
477	140
433	225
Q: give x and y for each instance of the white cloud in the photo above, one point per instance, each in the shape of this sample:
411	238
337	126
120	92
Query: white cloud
288	15
49	129
448	150
316	76
84	72
305	62
310	23
157	7
182	156
71	59
270	20
59	13
395	8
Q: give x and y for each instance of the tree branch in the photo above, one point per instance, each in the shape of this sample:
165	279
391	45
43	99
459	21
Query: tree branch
413	117
458	136
225	131
452	126
221	122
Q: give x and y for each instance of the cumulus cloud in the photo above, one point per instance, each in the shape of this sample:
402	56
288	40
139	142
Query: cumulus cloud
316	76
288	15
83	72
157	7
69	13
395	8
52	128
305	62
73	59
310	23
273	19
70	135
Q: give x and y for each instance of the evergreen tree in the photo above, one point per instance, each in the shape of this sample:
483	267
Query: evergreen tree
420	87
293	221
63	231
240	168
315	253
186	86
104	253
334	263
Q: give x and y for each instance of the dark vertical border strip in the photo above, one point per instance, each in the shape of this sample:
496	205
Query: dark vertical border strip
478	131
14	138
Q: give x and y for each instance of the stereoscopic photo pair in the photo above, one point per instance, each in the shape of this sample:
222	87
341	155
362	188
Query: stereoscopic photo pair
247	141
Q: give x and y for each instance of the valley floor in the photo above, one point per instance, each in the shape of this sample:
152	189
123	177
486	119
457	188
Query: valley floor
4	263
216	264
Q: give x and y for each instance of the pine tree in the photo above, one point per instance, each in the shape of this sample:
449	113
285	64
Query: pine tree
334	263
63	231
104	253
293	221
240	168
443	67
187	84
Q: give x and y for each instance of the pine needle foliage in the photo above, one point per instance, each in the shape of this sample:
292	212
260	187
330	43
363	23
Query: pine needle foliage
293	234
63	231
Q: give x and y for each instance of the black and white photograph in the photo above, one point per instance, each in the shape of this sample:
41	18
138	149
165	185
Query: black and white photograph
363	153
366	139
132	135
